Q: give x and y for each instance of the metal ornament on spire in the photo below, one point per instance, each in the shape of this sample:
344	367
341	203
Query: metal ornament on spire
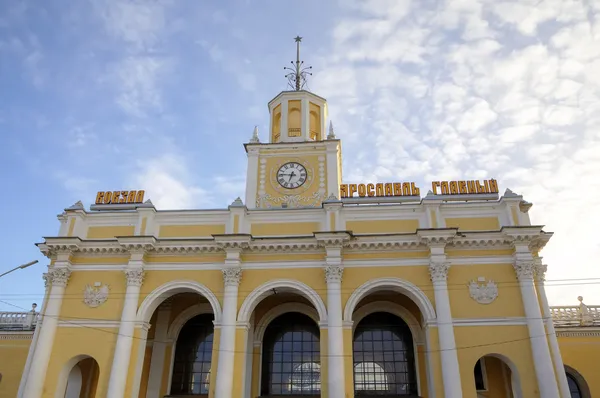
297	76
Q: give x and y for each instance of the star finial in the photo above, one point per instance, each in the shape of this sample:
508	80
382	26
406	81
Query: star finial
297	76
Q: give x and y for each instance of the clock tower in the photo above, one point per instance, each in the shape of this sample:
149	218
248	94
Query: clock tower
300	166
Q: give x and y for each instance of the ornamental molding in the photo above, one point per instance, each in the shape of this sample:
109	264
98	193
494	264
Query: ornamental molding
232	242
135	277
95	296
58	276
539	269
334	273
232	276
438	270
483	292
333	239
300	244
437	237
525	269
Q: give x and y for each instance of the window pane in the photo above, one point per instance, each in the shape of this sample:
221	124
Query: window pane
383	357
295	369
193	354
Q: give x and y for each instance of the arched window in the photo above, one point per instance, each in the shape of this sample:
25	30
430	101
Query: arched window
193	355
573	387
383	356
291	357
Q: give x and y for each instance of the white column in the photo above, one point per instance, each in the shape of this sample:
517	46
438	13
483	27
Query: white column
157	361
122	356
335	331
559	368
58	279
36	335
525	267
438	269
225	377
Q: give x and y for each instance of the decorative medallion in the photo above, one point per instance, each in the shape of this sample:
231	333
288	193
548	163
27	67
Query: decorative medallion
482	292
95	296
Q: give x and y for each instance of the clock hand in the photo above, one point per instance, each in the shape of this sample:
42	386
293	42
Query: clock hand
292	174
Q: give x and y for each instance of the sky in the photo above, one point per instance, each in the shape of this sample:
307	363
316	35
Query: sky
161	95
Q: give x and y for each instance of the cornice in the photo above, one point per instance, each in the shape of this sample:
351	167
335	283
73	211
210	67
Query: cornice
385	242
421	240
334	238
437	236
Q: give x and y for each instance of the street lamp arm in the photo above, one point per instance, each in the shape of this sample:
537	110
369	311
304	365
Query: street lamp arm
22	266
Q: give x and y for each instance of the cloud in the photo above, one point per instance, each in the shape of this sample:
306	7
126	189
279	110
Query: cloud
476	89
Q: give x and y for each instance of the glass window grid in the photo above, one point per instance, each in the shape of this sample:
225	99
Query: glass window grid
573	387
193	357
383	357
291	358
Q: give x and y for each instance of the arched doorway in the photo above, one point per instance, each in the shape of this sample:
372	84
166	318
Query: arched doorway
578	387
291	359
496	375
384	360
82	379
192	363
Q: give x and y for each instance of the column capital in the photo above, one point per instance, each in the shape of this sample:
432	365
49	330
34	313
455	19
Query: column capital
525	269
232	276
135	276
539	269
57	277
334	273
438	270
233	246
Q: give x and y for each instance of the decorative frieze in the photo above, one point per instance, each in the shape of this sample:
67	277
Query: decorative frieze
232	276
333	273
135	277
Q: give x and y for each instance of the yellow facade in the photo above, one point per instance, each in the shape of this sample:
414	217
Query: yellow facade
300	292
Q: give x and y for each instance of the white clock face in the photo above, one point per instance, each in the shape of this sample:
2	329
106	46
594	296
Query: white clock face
291	175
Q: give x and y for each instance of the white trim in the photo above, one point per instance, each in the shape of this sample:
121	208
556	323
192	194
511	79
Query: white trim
281	216
161	293
395	309
507	321
288	285
63	376
90	323
398	262
400	285
429	361
269	316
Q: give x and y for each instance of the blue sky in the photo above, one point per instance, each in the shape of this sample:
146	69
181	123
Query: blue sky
161	95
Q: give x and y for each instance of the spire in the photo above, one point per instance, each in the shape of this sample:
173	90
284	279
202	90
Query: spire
297	75
331	135
255	139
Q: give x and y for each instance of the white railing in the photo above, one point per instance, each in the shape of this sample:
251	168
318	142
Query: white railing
19	320
576	315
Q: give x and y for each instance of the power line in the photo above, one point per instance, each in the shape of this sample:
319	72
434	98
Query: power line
326	355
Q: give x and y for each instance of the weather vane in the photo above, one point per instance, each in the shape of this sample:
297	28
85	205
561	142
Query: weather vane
297	75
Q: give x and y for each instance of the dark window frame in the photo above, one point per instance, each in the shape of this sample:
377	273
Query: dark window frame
291	348
384	340
193	357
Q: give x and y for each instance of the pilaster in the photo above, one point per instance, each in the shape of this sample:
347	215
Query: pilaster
56	279
232	245
439	266
252	175
237	218
523	240
333	244
134	276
